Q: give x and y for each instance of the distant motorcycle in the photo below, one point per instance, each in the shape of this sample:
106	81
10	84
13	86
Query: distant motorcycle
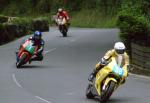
107	80
63	26
26	51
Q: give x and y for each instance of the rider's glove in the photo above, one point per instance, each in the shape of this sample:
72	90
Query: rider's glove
103	61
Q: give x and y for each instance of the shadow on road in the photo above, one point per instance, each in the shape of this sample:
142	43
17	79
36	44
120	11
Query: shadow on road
65	37
34	67
120	100
117	100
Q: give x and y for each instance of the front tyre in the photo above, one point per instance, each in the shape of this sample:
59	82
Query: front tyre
21	61
108	92
63	29
64	33
89	93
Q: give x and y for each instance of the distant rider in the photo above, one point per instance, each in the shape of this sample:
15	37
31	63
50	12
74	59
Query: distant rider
118	52
63	14
39	42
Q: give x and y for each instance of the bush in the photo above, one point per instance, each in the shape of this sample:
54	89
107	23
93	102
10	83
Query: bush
3	19
17	28
24	26
6	33
134	26
41	24
20	27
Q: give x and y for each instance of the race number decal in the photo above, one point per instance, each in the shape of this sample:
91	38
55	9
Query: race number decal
26	43
118	70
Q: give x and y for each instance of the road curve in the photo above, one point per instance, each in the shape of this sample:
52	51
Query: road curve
62	76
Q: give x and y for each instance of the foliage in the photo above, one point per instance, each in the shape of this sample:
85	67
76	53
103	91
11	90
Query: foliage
3	19
15	7
20	27
24	25
133	23
93	19
5	35
41	24
43	6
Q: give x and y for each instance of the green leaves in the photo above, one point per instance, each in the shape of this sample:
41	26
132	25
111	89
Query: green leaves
133	23
21	26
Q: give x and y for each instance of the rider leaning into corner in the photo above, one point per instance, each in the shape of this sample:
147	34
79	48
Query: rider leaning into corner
39	42
119	53
63	14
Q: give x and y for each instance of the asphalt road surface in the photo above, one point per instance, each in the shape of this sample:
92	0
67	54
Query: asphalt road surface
62	76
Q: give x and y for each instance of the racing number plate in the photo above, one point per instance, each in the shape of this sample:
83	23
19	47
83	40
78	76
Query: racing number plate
116	69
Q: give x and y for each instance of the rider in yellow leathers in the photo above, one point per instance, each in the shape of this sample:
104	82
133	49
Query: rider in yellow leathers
118	52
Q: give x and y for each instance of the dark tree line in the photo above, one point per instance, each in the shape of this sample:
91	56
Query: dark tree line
108	7
74	5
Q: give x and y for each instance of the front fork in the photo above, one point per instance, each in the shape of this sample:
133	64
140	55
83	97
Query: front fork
18	53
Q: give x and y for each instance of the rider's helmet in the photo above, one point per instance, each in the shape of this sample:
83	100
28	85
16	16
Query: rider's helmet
37	35
119	48
60	10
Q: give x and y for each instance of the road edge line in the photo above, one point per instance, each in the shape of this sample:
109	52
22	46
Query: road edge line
15	80
43	99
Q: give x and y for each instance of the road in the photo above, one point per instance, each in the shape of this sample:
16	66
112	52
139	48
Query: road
62	76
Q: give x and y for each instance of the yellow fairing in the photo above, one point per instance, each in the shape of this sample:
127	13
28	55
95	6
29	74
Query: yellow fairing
102	76
109	79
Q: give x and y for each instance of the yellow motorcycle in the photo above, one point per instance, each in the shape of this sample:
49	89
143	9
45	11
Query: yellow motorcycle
108	79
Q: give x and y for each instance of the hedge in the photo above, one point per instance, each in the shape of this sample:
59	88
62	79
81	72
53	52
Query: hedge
3	19
40	24
20	27
134	26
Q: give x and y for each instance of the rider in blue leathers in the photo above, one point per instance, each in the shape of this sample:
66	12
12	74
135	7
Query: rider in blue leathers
38	41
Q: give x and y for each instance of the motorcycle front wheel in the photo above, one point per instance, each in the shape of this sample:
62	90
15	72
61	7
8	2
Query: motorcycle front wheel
64	34
21	61
89	93
108	92
63	29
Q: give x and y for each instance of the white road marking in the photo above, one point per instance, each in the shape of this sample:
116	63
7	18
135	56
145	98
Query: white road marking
47	51
43	99
15	80
17	83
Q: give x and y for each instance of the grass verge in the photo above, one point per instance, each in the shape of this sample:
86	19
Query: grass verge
92	19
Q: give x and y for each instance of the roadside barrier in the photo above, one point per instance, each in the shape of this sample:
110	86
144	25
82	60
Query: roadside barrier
140	56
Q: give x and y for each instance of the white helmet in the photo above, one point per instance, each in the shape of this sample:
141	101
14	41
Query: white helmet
119	47
60	10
